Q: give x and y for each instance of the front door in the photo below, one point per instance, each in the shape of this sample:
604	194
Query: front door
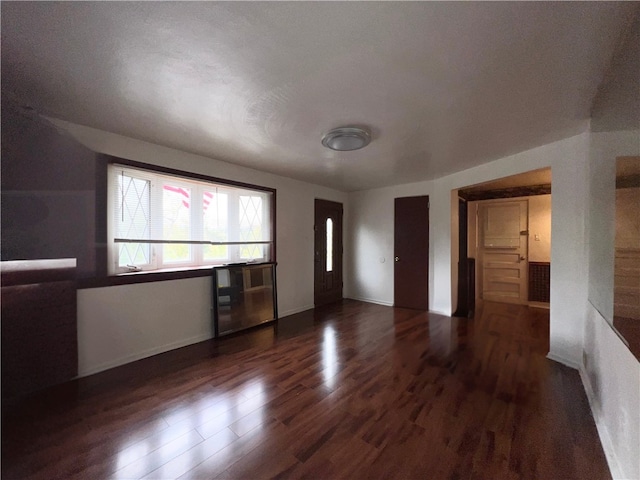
411	247
328	252
503	248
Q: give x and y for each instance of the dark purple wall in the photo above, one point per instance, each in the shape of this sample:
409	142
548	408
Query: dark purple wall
39	333
48	192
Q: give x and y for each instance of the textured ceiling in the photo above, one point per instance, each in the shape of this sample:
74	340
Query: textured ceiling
443	86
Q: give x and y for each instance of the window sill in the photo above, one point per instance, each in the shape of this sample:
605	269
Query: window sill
130	278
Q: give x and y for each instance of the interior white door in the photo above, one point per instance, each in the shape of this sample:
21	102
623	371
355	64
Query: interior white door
503	248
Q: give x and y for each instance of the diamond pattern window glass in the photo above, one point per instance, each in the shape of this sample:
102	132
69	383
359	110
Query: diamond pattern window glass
160	221
133	201
251	226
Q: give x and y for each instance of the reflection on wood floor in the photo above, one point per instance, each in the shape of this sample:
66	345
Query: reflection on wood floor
352	390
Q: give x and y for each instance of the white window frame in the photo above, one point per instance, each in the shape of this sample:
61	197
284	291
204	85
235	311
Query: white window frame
197	188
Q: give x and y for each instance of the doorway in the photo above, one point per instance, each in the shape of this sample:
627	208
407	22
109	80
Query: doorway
511	256
502	250
328	252
411	247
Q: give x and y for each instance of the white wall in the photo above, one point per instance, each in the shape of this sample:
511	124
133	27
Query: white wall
540	225
611	376
369	271
371	215
120	324
112	328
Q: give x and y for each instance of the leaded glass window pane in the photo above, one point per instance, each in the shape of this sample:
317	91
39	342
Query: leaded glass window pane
251	227
133	202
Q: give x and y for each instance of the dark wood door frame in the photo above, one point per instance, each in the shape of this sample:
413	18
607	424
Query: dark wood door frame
327	278
466	266
411	252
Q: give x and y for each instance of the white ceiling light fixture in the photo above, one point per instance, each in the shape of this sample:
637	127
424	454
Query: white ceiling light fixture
344	139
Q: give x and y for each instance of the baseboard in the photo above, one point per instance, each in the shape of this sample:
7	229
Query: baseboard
603	432
372	300
144	354
293	311
390	304
563	360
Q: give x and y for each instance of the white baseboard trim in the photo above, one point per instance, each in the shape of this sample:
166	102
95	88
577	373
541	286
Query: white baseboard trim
90	370
390	304
603	432
293	311
563	360
372	300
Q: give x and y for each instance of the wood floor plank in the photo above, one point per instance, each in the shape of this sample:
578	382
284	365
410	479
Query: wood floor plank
178	465
159	456
351	390
225	458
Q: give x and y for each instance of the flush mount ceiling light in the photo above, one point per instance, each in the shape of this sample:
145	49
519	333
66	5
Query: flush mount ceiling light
346	138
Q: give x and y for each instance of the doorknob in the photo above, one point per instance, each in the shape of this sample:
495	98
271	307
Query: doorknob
397	259
521	258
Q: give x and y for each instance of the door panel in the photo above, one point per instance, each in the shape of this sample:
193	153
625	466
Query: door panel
503	249
411	246
328	252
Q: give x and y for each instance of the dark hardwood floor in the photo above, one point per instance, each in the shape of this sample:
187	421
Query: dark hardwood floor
350	390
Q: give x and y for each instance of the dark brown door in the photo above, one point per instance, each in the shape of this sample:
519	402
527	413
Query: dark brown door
411	246
328	252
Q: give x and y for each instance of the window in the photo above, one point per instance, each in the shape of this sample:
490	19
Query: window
329	267
159	221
